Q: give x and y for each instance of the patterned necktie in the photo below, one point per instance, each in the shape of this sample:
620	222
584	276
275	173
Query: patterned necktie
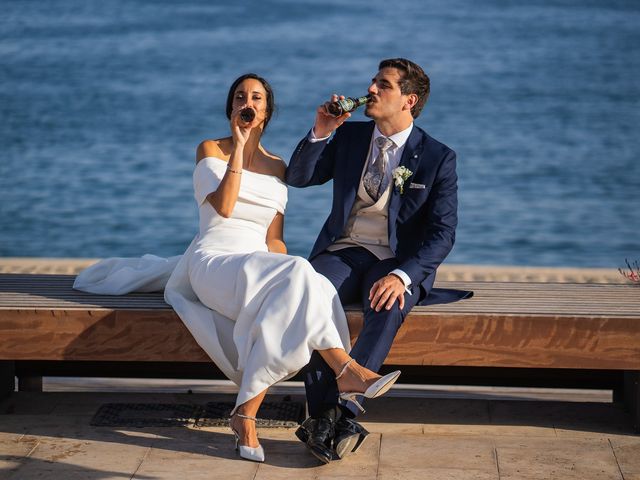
375	179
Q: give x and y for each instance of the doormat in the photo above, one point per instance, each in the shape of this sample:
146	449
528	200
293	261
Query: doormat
144	415
284	414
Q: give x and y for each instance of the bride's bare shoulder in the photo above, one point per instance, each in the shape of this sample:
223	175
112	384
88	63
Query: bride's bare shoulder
219	148
274	165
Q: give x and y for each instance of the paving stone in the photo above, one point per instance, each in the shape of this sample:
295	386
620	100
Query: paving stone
33	471
411	438
17	447
627	452
283	455
593	431
318	473
8	470
412	453
190	434
9	436
580	459
426	411
90	454
78	428
489	430
564	417
13	452
402	473
393	428
195	461
420	415
584	433
42	424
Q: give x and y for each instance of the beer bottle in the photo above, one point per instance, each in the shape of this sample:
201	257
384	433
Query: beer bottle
345	105
247	114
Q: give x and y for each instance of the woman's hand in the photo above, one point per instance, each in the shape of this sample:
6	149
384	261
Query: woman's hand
325	122
240	130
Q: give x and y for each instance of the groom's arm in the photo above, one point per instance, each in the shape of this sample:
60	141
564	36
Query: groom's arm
312	162
441	221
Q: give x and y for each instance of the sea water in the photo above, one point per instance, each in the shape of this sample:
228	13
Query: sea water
102	104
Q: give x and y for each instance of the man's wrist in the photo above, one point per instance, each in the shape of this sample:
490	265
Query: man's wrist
313	138
404	278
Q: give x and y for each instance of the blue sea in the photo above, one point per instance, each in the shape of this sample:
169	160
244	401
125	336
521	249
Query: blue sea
102	104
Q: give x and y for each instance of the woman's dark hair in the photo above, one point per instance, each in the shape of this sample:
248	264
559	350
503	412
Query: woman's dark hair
413	80
271	105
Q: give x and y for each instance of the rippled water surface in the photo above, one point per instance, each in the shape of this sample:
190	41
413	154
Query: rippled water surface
103	103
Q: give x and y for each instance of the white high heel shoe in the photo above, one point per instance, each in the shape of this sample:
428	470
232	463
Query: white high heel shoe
380	387
248	453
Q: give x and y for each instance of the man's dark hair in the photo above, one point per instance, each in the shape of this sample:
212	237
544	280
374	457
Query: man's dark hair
271	103
413	80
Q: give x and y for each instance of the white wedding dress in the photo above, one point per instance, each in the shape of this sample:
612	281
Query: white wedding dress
258	315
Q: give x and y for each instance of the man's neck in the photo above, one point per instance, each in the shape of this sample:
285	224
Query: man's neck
391	126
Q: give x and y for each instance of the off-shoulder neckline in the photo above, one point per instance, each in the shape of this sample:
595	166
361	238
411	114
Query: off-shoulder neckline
275	177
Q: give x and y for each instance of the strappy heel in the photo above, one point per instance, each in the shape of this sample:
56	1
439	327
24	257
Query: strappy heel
248	453
380	387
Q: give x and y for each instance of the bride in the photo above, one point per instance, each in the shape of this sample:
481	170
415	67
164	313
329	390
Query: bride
257	312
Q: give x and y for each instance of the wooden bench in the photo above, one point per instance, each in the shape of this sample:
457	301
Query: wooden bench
535	334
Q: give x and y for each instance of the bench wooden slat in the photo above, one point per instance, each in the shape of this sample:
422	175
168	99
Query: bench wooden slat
604	310
503	325
54	291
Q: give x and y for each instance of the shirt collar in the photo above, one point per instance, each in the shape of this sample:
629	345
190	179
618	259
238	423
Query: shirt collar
398	139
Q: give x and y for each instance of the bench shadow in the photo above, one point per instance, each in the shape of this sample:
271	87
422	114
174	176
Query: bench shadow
491	412
27	467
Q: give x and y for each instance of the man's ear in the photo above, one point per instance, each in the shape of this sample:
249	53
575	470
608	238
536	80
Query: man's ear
411	101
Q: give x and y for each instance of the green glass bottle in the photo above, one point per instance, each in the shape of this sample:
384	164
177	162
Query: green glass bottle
345	105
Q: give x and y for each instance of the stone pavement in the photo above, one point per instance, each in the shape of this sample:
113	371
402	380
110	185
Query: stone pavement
48	436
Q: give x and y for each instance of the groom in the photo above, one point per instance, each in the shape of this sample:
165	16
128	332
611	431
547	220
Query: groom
392	223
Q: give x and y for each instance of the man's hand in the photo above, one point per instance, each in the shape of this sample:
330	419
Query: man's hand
386	291
325	122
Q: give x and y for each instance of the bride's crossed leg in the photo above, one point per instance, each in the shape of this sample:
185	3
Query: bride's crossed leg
354	378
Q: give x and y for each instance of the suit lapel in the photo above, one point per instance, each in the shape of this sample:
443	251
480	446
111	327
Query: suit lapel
356	158
411	160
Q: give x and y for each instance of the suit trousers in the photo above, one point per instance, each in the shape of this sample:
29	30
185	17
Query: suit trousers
353	271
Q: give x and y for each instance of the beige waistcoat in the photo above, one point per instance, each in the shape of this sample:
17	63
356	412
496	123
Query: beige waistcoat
367	225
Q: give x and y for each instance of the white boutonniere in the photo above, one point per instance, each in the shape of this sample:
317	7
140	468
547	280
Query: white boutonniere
400	175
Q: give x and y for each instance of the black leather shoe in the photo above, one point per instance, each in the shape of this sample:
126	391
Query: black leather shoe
349	436
304	429
320	439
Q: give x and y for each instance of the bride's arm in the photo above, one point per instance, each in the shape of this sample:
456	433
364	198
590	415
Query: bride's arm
224	198
275	241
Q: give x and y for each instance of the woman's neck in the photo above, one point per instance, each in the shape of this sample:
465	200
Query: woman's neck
252	147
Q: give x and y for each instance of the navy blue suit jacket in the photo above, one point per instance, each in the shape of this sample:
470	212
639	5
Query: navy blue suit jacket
422	221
